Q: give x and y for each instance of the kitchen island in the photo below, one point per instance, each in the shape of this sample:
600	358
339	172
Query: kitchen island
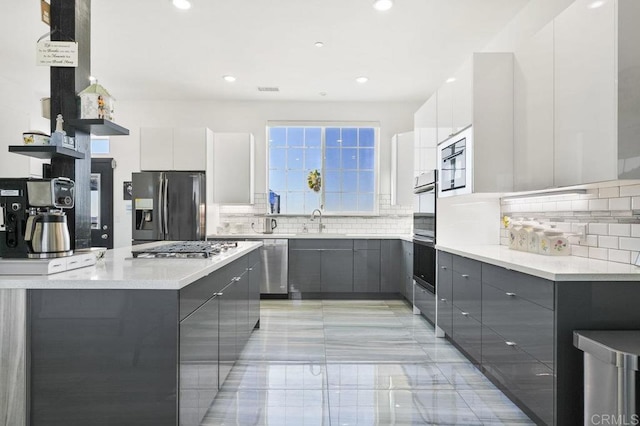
513	314
127	341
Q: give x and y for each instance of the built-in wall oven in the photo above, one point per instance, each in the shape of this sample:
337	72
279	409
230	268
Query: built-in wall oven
455	164
424	230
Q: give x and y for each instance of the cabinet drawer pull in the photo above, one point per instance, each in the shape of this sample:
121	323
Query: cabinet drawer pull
511	294
465	276
465	314
510	343
443	300
218	294
444	267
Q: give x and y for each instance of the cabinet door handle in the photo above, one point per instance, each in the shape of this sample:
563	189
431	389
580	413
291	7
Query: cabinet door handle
510	343
511	294
465	314
444	267
219	294
465	276
249	269
443	300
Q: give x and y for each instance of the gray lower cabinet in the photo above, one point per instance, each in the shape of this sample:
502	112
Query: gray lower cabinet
426	302
444	291
336	271
366	271
256	277
198	362
407	270
304	271
390	268
228	330
467	333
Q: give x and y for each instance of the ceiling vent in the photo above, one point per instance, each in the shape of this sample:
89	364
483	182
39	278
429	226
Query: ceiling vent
268	89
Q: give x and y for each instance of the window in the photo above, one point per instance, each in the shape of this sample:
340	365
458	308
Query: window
100	146
345	158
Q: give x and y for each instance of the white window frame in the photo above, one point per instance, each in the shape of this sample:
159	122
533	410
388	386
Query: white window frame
325	124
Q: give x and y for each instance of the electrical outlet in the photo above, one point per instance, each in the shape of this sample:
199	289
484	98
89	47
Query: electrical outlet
581	232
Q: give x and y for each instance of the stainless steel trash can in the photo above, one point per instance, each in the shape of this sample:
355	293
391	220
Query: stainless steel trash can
610	368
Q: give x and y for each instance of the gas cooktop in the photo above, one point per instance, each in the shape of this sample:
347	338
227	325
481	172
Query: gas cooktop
185	250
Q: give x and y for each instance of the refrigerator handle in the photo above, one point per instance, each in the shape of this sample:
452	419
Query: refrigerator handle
160	208
166	207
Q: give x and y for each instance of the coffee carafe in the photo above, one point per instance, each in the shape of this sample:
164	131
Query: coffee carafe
46	233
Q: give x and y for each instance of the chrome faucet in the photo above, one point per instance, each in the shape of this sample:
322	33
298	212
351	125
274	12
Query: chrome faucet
313	215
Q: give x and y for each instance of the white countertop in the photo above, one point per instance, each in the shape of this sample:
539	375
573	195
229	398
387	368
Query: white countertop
316	235
119	270
555	268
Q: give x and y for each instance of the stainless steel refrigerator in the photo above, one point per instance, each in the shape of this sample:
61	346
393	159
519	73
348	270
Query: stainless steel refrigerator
168	206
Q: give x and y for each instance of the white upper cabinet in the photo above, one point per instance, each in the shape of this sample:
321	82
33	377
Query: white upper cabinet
533	113
585	97
233	166
445	111
425	134
402	153
174	148
462	86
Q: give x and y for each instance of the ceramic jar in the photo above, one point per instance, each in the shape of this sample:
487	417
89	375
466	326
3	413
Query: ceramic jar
534	238
554	243
514	232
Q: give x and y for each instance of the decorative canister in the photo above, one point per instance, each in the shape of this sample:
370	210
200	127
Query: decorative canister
554	243
514	231
523	237
534	238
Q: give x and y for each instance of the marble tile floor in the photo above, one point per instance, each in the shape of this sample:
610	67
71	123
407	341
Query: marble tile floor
354	362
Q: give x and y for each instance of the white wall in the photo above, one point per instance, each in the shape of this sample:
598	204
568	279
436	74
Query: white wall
241	117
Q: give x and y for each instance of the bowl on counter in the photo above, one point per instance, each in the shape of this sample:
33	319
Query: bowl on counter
34	137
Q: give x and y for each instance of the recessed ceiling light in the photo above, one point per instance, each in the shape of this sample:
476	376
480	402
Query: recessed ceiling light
318	44
229	78
382	4
362	79
182	4
596	4
451	79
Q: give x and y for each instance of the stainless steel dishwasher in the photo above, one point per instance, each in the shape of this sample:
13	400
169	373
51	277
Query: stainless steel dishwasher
275	267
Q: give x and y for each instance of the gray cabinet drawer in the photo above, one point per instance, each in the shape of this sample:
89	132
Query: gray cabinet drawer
467	333
469	267
526	378
426	302
366	244
535	289
445	259
467	292
366	271
304	244
527	324
445	315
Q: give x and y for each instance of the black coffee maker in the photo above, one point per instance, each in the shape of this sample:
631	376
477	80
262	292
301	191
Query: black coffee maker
32	222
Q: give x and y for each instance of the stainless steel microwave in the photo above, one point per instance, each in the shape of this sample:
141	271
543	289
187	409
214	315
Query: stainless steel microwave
455	164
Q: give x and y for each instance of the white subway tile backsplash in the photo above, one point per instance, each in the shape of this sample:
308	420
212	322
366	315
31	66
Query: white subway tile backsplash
630	243
620	229
606	241
580	251
599	204
629	190
610	192
622	256
635	230
579	205
598	228
623	203
598	253
563	205
591	241
635	203
549	207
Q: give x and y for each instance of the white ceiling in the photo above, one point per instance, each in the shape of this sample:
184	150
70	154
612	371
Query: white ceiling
148	49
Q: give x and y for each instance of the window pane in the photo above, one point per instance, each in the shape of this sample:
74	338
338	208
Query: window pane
367	137
349	202
277	180
332	137
297	180
332	201
277	158
366	182
313	159
332	181
100	146
295	202
295	159
278	136
332	159
313	137
283	203
350	158
365	202
366	158
295	136
311	201
350	137
350	182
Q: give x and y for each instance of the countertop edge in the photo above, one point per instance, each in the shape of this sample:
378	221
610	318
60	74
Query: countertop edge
554	268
